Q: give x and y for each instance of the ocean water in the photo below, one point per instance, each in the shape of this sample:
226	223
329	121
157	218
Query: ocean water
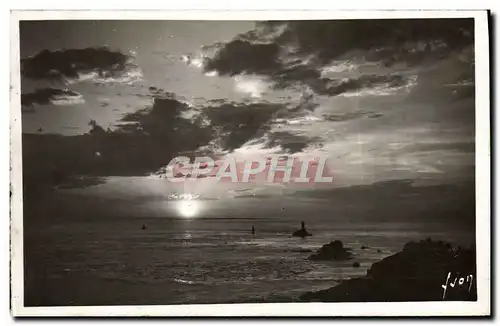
201	259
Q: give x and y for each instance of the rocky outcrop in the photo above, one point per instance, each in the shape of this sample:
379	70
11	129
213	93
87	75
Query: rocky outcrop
423	271
332	251
302	232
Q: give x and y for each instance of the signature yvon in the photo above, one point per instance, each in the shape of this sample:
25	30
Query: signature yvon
463	281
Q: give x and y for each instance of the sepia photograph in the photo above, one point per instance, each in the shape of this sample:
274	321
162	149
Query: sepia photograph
267	160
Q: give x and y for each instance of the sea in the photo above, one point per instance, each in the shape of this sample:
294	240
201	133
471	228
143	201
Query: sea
76	257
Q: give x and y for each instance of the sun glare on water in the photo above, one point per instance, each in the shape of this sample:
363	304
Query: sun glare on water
188	208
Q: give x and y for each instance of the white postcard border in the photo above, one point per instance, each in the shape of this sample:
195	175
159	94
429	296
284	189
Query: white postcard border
483	177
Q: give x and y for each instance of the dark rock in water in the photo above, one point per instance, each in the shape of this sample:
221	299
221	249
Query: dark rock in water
332	251
379	251
356	264
417	273
301	233
364	247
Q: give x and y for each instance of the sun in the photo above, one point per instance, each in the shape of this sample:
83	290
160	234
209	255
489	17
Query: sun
188	208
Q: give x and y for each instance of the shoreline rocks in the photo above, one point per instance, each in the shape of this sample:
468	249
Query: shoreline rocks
417	273
332	251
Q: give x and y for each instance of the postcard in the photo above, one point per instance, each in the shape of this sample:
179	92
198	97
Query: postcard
250	163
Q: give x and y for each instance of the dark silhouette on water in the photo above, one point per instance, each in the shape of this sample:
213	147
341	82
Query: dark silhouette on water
143	227
334	250
302	232
253	230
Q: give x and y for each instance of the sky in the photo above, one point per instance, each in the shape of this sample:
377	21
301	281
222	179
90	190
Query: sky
382	99
157	47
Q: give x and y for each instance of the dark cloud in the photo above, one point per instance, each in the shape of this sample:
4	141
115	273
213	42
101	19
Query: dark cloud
238	123
142	143
291	142
156	92
46	96
71	63
294	52
336	87
149	140
350	116
288	76
76	182
239	56
332	39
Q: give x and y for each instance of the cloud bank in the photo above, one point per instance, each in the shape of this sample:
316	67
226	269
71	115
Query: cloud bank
358	98
298	52
74	65
54	96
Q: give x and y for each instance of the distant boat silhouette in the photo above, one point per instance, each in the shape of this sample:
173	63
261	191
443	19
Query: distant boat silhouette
253	230
143	227
302	232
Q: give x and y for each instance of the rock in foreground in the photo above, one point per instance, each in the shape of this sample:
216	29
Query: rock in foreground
418	273
332	251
